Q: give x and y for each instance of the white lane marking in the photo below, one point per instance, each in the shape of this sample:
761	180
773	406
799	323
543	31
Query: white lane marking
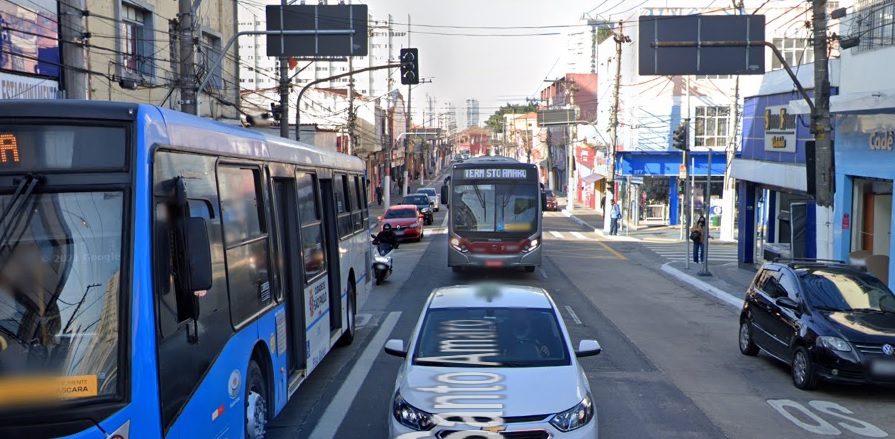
337	410
556	234
816	424
444	220
578	235
544	273
572	313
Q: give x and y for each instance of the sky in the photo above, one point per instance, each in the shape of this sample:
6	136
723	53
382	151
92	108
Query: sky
493	69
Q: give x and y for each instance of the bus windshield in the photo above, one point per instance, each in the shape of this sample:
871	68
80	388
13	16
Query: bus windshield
60	266
495	207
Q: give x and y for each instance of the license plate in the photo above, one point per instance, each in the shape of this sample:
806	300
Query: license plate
493	264
883	368
399	232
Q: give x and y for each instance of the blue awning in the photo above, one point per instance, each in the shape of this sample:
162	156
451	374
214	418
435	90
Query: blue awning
667	163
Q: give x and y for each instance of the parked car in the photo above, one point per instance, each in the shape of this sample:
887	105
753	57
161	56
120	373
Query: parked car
433	197
421	201
517	344
552	203
829	321
406	221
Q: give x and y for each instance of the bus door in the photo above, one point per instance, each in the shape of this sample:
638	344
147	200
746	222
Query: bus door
292	273
333	195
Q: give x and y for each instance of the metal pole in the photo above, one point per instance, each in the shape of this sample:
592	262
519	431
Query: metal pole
406	182
610	180
387	185
687	198
706	207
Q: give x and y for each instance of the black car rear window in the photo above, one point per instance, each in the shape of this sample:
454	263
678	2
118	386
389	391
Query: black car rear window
417	199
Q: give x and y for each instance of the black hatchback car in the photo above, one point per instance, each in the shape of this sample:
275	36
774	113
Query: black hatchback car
828	321
421	201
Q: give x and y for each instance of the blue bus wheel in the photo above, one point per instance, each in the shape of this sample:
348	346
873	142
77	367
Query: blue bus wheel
256	403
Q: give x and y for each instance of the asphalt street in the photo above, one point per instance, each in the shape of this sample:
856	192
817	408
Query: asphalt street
670	367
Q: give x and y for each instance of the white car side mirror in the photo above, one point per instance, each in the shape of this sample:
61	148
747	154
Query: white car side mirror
395	347
587	348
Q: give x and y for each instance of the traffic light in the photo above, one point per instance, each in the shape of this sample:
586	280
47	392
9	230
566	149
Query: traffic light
681	136
410	68
276	110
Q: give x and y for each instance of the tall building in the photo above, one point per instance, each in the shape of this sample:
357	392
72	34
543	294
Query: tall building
472	113
447	118
581	49
259	73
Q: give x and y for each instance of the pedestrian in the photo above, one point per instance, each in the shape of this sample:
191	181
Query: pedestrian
379	194
615	213
699	236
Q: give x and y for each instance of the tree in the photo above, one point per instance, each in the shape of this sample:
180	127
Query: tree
495	122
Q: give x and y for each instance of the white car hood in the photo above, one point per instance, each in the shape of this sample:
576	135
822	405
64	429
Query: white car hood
525	391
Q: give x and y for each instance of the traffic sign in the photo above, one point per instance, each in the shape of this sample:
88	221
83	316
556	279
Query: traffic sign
716	210
683	171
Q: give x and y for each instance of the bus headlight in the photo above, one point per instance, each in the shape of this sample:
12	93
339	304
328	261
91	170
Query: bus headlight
533	244
459	245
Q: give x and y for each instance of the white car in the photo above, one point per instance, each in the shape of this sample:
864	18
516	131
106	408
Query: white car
496	360
433	196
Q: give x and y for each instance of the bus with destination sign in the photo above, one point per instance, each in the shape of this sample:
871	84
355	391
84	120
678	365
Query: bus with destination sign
167	276
495	212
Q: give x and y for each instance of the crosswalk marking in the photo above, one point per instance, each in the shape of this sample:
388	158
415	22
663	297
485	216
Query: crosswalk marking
676	251
556	234
578	235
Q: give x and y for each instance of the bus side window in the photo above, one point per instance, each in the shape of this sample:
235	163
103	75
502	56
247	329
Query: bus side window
312	251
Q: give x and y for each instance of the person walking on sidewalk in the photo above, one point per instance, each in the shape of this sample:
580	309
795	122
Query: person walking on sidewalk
379	194
699	236
615	213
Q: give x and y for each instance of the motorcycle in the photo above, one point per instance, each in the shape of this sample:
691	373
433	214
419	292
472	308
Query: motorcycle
382	261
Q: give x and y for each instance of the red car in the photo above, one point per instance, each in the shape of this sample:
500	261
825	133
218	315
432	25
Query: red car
406	221
552	203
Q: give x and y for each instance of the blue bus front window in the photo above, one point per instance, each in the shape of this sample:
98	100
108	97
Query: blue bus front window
59	297
500	207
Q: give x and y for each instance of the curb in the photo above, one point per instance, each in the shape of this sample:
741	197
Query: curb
718	293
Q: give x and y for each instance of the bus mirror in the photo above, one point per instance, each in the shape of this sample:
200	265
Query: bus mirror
444	195
199	249
543	201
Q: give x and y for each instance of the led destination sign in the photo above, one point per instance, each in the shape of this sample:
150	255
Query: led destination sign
26	148
495	173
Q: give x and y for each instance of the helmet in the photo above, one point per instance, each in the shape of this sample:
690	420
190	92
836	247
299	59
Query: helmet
387	227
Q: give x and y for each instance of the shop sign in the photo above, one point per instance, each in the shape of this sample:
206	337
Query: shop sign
779	130
27	87
882	140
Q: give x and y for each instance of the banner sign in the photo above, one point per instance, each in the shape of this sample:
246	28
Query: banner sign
495	173
779	130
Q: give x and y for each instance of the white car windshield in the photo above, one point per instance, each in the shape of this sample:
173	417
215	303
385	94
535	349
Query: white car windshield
491	337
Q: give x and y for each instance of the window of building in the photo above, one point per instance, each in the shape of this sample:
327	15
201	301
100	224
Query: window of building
875	24
136	39
794	50
211	48
711	126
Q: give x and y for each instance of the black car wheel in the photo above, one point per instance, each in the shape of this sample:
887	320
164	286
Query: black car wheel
747	346
803	376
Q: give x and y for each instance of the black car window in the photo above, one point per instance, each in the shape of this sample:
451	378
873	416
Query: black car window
791	285
416	200
843	290
768	283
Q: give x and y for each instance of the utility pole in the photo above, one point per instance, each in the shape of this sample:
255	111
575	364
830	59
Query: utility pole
284	81
352	121
573	186
821	127
73	57
188	96
406	188
387	184
728	196
613	128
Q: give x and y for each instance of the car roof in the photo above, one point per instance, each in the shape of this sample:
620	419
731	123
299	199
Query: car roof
426	189
490	296
403	207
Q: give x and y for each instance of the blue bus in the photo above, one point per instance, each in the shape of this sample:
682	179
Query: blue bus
164	275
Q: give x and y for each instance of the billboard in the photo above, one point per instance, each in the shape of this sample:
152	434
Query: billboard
701	45
317	18
29	37
27	87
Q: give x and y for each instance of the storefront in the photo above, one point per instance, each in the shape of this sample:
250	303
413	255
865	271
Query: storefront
776	216
656	175
865	160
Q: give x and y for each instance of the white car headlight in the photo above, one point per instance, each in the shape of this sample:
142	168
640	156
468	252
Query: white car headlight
833	343
410	416
425	209
414	225
575	417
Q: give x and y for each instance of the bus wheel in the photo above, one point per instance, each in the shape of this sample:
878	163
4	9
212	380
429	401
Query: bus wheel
348	336
256	403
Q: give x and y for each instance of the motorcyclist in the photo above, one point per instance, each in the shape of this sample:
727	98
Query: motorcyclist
386	236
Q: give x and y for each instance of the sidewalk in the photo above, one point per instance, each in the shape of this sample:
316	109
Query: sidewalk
726	282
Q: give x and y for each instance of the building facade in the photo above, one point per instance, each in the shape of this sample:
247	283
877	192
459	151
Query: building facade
472	113
134	54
